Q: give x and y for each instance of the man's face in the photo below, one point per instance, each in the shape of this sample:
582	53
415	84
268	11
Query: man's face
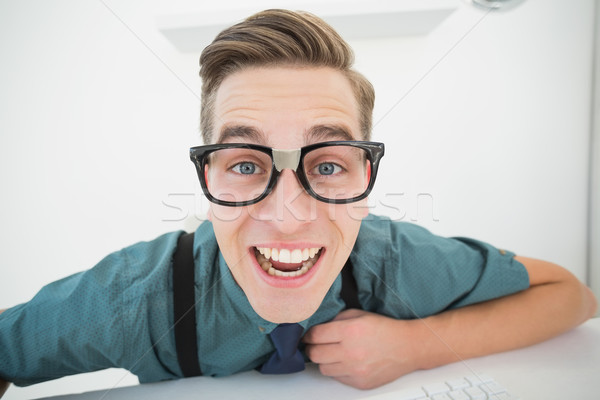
286	108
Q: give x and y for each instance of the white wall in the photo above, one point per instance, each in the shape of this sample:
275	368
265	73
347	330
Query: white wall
486	122
594	227
498	132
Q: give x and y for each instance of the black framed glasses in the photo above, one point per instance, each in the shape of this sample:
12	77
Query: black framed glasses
241	174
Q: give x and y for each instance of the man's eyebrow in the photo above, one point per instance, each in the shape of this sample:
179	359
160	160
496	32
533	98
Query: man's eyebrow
321	133
247	133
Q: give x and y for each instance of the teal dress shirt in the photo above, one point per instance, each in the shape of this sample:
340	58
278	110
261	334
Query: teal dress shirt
120	312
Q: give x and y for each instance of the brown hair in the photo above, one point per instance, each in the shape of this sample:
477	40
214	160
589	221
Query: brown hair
279	37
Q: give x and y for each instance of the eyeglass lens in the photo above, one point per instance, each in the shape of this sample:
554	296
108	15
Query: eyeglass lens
241	174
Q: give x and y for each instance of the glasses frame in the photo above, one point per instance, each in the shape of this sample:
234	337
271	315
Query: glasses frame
199	156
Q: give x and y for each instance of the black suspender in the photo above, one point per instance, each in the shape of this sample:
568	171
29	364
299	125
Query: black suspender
184	303
349	291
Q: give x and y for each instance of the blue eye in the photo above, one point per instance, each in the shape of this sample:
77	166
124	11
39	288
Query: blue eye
245	168
328	168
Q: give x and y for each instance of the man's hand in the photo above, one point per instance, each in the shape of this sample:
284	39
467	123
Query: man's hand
366	350
363	349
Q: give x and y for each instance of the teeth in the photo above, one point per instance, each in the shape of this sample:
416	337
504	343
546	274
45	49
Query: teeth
295	256
266	252
265	265
285	256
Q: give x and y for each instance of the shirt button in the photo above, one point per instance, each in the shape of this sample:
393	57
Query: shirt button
503	252
261	329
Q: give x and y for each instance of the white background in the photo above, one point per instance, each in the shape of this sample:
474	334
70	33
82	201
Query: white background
486	121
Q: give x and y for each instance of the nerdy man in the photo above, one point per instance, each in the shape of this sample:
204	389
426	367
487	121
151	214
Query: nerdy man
287	166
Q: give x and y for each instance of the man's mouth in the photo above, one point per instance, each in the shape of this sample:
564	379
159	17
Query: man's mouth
287	262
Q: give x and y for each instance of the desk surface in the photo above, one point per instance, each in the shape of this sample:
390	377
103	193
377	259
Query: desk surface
567	366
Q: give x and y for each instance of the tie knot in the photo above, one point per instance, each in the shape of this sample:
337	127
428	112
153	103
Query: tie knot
286	358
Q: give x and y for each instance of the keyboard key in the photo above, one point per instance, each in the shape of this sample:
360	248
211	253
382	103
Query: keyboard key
441	396
475	393
475	387
492	388
435	388
478	379
458	395
456	384
503	396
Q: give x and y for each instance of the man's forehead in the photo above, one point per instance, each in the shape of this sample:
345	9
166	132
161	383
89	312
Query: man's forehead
316	104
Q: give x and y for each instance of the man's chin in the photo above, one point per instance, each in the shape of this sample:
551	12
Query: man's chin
288	312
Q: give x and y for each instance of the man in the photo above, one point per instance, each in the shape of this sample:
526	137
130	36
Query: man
287	167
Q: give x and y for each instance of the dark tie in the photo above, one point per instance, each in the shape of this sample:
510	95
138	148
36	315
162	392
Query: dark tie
286	358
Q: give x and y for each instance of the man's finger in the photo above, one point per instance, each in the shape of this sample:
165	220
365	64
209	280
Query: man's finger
329	332
334	370
349	314
355	382
325	353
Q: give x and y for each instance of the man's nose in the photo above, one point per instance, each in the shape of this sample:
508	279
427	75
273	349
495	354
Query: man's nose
288	206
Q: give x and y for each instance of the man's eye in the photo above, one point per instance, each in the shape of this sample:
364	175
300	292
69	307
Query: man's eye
246	168
327	169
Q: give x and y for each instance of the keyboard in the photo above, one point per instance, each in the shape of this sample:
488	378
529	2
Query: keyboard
473	387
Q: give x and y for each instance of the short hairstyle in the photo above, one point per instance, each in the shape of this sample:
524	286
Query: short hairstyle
279	38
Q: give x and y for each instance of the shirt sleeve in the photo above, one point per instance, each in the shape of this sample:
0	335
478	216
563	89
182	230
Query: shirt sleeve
117	314
404	271
72	325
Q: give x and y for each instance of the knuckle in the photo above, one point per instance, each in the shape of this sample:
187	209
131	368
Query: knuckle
357	355
353	331
361	372
356	330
